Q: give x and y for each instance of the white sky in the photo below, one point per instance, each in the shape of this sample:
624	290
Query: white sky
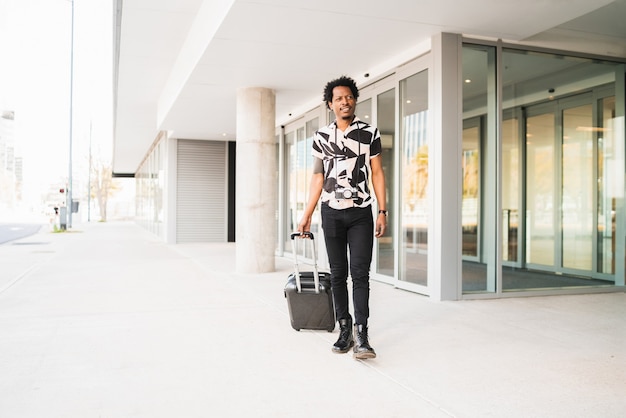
35	45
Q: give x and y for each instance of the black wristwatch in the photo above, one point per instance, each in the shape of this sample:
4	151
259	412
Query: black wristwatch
384	212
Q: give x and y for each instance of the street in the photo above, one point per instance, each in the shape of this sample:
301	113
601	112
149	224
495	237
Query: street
13	231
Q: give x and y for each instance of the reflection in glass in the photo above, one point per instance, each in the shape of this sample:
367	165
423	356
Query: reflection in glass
298	145
540	190
607	193
363	110
470	166
569	209
290	188
478	96
578	189
149	184
414	176
560	170
386	113
510	190
311	127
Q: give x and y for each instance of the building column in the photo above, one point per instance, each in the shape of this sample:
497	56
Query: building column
170	167
256	188
444	250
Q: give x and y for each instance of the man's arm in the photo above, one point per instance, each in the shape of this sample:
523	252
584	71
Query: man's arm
378	182
315	191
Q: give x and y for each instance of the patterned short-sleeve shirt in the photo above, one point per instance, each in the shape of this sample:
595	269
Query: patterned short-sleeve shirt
346	157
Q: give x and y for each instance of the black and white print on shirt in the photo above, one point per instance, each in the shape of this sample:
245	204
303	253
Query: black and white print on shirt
346	156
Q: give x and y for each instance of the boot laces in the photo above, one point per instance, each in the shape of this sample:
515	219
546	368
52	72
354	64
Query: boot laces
344	332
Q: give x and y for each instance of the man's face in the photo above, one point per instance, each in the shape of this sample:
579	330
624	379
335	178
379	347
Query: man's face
343	103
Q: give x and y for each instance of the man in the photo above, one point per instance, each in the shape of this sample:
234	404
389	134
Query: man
347	155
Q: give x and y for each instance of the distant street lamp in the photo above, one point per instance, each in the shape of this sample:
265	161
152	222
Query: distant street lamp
89	181
69	204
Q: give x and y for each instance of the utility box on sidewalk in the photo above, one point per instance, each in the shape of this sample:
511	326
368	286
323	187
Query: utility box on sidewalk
62	218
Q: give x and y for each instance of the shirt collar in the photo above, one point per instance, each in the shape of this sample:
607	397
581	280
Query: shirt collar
353	123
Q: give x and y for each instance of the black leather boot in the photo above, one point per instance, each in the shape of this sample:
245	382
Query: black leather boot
362	348
345	340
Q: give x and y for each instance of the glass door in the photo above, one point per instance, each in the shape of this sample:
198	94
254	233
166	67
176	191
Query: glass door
299	168
570	218
386	122
558	198
608	190
379	109
541	189
577	189
542	171
414	168
511	189
559	188
290	187
470	206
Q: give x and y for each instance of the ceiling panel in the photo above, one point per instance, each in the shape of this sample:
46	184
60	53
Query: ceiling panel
295	47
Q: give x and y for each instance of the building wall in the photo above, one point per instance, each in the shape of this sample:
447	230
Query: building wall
183	190
464	211
455	124
151	188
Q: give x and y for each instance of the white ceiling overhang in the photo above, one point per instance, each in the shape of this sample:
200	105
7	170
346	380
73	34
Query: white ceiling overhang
180	63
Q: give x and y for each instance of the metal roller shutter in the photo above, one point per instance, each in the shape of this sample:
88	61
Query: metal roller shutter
201	192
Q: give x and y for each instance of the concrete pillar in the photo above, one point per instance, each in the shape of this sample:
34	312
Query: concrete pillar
256	189
444	234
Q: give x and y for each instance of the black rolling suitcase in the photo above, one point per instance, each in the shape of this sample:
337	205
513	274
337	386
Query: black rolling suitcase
309	298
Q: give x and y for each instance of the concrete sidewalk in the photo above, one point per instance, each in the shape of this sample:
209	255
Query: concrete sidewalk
107	321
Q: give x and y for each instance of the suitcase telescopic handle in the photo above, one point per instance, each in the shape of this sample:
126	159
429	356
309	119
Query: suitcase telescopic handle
305	234
316	277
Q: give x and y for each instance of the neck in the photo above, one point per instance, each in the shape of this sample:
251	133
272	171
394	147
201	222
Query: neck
343	123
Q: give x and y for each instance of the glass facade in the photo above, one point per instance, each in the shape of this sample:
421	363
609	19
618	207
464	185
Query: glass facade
378	106
299	166
291	214
149	183
541	176
478	168
414	179
386	118
549	140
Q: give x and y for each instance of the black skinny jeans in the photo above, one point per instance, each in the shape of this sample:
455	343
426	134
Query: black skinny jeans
352	229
